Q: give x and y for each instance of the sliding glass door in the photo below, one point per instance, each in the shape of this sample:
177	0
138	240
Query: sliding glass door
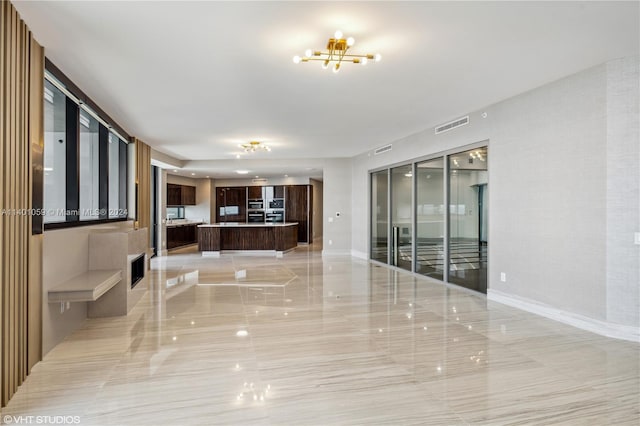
380	216
401	216
450	243
430	218
468	212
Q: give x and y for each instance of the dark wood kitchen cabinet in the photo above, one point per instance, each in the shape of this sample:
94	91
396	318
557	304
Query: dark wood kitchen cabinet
232	204
299	208
254	192
174	195
188	195
181	195
181	235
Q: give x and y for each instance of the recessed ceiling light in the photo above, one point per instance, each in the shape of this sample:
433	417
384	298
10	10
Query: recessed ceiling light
193	174
208	177
175	171
257	176
242	172
286	175
237	155
242	333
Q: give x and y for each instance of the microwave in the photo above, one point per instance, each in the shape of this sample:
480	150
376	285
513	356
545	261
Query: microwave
276	204
275	216
256	205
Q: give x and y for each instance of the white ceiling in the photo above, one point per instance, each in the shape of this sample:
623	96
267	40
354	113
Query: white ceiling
194	79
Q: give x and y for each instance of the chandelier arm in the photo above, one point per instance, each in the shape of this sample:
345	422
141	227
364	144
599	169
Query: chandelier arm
327	55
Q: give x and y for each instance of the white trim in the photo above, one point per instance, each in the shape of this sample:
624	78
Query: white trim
359	254
336	253
616	331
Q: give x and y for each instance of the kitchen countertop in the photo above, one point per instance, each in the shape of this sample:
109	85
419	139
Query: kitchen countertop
181	222
245	225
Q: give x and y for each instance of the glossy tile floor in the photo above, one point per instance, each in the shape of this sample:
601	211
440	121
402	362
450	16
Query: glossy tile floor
311	341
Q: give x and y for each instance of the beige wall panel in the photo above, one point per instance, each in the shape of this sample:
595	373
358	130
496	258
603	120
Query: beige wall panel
20	121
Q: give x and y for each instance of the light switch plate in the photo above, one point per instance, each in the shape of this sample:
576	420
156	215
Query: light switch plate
503	277
330	219
636	238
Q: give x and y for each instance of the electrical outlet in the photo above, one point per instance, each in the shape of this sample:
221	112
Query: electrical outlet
330	242
503	277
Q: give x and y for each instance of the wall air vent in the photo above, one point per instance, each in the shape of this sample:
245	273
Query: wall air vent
452	125
382	149
260	180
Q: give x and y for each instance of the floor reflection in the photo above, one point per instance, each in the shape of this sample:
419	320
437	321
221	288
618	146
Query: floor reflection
319	340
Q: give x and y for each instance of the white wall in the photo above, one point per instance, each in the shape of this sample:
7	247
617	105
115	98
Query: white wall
563	191
336	238
623	191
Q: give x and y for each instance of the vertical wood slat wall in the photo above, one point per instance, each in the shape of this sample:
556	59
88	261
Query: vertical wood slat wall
143	182
21	105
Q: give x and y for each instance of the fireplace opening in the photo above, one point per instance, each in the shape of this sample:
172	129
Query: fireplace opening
137	270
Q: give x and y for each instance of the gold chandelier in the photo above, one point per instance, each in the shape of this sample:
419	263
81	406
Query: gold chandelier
337	53
254	146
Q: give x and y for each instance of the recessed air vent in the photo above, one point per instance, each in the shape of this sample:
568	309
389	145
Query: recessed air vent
382	149
260	180
452	125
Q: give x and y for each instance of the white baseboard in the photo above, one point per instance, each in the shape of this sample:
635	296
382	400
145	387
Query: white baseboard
359	254
616	331
336	253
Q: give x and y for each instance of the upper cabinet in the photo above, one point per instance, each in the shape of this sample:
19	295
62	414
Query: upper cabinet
181	195
188	195
254	192
232	204
174	197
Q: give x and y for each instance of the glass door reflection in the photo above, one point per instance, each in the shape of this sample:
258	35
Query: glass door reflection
430	218
401	216
468	212
380	216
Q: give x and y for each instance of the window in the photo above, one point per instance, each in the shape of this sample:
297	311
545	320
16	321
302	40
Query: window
54	194
117	177
89	167
175	212
85	159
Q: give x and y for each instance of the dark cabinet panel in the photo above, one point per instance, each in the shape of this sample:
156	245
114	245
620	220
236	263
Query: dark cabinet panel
178	236
233	201
188	195
174	197
298	209
181	195
255	192
278	191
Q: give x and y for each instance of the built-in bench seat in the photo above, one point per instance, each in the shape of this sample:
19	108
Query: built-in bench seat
86	287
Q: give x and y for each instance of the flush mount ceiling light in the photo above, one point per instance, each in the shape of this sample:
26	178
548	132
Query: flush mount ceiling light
336	54
254	146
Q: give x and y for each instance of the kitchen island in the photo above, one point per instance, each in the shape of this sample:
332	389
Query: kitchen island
251	238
